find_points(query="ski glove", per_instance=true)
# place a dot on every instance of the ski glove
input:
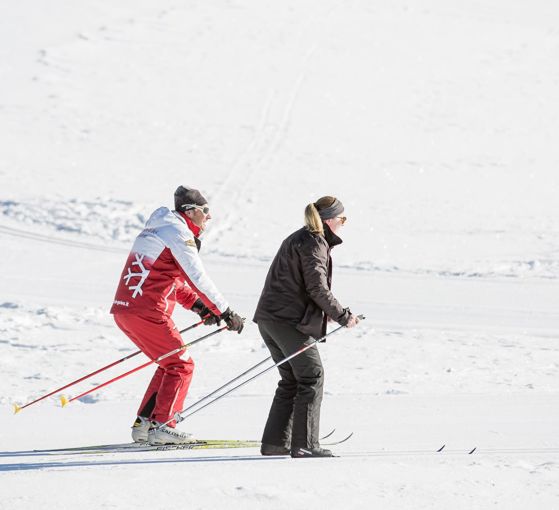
(205, 313)
(233, 320)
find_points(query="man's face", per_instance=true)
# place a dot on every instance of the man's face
(199, 217)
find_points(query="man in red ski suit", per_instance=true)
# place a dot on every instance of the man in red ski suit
(164, 267)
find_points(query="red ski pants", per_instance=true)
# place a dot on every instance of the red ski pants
(168, 387)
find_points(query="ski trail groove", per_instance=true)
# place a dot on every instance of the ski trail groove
(16, 232)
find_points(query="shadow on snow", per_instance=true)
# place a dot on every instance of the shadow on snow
(93, 463)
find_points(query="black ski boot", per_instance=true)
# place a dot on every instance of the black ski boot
(272, 449)
(303, 453)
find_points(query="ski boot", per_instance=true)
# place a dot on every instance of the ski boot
(163, 434)
(303, 453)
(272, 449)
(140, 430)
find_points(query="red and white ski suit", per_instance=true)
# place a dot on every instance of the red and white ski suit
(163, 267)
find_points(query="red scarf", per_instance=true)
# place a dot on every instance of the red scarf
(191, 225)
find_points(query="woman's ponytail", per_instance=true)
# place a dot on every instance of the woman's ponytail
(312, 220)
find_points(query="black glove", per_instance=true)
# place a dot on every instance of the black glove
(233, 320)
(205, 313)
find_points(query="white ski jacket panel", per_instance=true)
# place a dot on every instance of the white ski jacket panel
(164, 260)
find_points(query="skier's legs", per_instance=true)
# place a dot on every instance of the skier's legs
(168, 388)
(307, 371)
(148, 402)
(173, 389)
(277, 431)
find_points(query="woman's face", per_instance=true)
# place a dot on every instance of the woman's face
(336, 223)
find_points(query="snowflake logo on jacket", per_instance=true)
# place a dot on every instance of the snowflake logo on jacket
(143, 274)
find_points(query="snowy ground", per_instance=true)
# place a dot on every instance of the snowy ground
(435, 124)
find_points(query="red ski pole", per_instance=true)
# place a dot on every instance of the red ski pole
(18, 408)
(65, 401)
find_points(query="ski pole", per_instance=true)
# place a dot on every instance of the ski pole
(179, 416)
(65, 401)
(18, 408)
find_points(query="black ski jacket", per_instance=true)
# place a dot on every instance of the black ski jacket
(297, 288)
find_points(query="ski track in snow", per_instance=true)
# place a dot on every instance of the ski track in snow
(103, 219)
(269, 136)
(344, 457)
(257, 156)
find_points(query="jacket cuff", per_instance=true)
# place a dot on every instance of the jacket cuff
(198, 306)
(343, 319)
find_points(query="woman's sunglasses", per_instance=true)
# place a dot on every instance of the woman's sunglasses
(342, 218)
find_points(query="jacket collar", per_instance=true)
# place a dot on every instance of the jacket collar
(331, 238)
(195, 229)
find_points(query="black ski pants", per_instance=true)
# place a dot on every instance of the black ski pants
(294, 417)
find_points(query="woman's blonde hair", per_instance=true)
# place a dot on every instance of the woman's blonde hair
(312, 219)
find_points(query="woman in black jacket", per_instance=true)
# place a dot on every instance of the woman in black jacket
(294, 307)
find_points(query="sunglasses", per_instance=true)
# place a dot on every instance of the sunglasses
(205, 209)
(343, 219)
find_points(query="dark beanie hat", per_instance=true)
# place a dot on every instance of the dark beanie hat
(185, 196)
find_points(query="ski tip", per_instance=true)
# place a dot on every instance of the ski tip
(64, 400)
(17, 408)
(472, 451)
(441, 448)
(328, 435)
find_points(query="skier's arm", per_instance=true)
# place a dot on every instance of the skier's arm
(186, 255)
(315, 274)
(186, 296)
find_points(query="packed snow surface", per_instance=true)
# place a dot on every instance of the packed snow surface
(434, 122)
